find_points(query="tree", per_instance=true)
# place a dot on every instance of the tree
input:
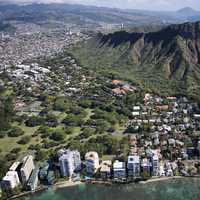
(40, 155)
(85, 103)
(15, 132)
(57, 136)
(102, 125)
(24, 140)
(61, 104)
(51, 120)
(86, 133)
(2, 134)
(3, 167)
(34, 121)
(16, 150)
(73, 120)
(6, 112)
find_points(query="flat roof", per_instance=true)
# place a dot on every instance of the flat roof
(14, 166)
(119, 165)
(10, 175)
(106, 166)
(25, 160)
(133, 159)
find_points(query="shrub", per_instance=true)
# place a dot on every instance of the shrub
(15, 132)
(24, 140)
(57, 136)
(16, 150)
(34, 121)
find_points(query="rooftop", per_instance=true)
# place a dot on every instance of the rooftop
(106, 166)
(133, 159)
(91, 155)
(118, 165)
(14, 166)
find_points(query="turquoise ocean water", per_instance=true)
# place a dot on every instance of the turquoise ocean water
(182, 189)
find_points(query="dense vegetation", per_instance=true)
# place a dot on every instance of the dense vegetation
(162, 61)
(96, 120)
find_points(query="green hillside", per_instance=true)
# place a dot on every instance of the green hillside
(166, 62)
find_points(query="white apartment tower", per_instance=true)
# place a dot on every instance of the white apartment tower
(27, 168)
(70, 162)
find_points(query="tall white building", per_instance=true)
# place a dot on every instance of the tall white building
(133, 165)
(11, 180)
(119, 169)
(26, 168)
(155, 165)
(70, 162)
(92, 162)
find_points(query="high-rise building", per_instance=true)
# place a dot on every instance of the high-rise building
(33, 180)
(70, 162)
(155, 164)
(26, 168)
(92, 162)
(10, 181)
(133, 166)
(146, 166)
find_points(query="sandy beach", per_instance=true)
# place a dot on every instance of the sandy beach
(64, 184)
(161, 179)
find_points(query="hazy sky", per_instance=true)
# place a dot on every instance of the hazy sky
(137, 4)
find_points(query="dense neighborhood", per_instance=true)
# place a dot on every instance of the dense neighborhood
(67, 119)
(163, 141)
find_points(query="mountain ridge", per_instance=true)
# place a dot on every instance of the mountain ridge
(171, 54)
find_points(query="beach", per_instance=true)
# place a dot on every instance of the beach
(161, 179)
(64, 184)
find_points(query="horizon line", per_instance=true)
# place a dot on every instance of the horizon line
(91, 5)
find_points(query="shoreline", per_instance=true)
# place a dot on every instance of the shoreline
(66, 184)
(152, 180)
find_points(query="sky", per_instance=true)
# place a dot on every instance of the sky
(133, 4)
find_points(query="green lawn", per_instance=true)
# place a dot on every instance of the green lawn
(9, 143)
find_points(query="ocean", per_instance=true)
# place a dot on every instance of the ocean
(180, 189)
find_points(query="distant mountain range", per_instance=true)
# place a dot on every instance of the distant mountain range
(167, 61)
(79, 14)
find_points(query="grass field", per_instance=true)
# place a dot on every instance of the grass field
(9, 143)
